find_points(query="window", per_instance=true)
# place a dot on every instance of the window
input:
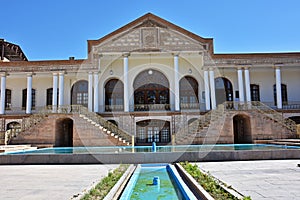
(114, 95)
(254, 89)
(24, 98)
(49, 97)
(283, 94)
(188, 87)
(149, 131)
(7, 99)
(80, 93)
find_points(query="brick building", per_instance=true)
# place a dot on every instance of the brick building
(155, 81)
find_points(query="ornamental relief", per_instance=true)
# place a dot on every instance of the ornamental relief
(149, 39)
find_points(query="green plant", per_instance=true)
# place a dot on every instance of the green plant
(106, 184)
(208, 183)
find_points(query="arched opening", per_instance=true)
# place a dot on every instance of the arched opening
(79, 93)
(224, 91)
(114, 95)
(151, 91)
(113, 122)
(242, 129)
(64, 133)
(188, 89)
(154, 130)
(16, 126)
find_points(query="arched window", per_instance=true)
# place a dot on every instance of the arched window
(151, 91)
(24, 98)
(254, 89)
(79, 93)
(188, 89)
(283, 94)
(49, 96)
(114, 95)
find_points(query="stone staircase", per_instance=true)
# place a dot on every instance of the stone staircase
(216, 126)
(89, 129)
(204, 130)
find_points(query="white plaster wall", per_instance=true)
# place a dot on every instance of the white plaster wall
(291, 77)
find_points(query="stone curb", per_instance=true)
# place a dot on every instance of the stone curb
(195, 187)
(116, 191)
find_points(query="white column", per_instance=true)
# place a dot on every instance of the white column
(126, 86)
(54, 91)
(206, 86)
(176, 83)
(212, 88)
(90, 92)
(278, 88)
(29, 94)
(96, 92)
(247, 85)
(241, 85)
(3, 91)
(61, 89)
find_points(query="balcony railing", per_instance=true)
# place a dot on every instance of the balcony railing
(152, 107)
(109, 108)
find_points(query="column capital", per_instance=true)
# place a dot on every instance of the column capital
(29, 74)
(62, 73)
(4, 74)
(175, 54)
(126, 54)
(278, 66)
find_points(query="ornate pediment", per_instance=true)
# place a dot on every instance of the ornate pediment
(149, 39)
(149, 33)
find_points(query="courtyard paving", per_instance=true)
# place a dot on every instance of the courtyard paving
(39, 182)
(267, 179)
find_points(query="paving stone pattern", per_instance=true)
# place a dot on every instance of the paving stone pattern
(271, 179)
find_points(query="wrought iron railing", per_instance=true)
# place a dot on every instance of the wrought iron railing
(152, 107)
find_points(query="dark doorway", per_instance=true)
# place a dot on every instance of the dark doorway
(242, 129)
(64, 133)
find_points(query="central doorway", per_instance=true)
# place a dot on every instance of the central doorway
(242, 129)
(64, 133)
(153, 130)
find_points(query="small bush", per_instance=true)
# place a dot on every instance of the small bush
(208, 183)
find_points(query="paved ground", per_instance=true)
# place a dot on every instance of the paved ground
(278, 179)
(48, 181)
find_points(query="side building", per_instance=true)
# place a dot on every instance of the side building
(149, 81)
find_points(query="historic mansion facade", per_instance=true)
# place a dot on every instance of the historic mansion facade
(157, 82)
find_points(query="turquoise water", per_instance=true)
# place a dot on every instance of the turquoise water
(129, 149)
(144, 188)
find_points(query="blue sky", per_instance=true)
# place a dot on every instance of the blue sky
(57, 29)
